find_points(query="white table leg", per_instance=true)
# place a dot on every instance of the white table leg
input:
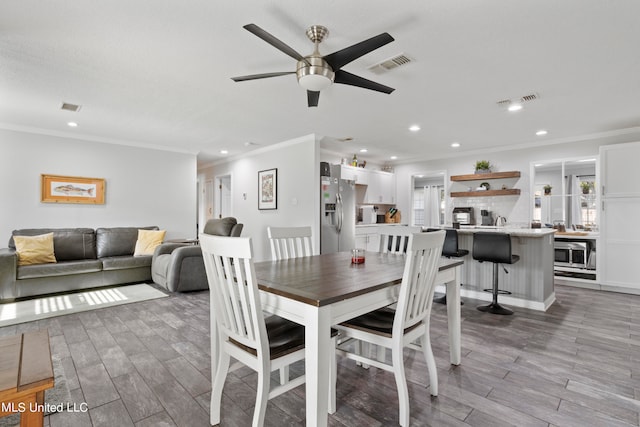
(317, 352)
(214, 410)
(453, 317)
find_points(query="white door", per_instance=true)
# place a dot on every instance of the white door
(619, 249)
(223, 196)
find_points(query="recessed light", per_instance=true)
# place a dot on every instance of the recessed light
(393, 157)
(455, 144)
(414, 128)
(363, 150)
(541, 132)
(72, 124)
(224, 152)
(515, 107)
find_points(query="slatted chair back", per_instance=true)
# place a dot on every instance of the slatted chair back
(418, 281)
(242, 331)
(407, 324)
(232, 282)
(396, 239)
(290, 242)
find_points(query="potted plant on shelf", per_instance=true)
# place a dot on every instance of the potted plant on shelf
(586, 186)
(547, 189)
(483, 166)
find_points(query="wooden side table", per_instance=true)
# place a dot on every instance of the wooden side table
(26, 372)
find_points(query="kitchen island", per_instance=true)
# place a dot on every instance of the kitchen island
(530, 280)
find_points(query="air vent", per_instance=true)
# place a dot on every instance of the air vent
(70, 107)
(391, 63)
(530, 97)
(503, 103)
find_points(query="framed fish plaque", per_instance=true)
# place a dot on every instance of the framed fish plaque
(72, 189)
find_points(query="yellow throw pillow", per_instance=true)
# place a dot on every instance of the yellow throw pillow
(35, 249)
(148, 240)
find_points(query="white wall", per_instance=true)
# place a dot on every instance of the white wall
(298, 164)
(143, 186)
(517, 209)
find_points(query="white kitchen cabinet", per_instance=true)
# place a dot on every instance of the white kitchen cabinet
(368, 238)
(381, 188)
(357, 175)
(620, 248)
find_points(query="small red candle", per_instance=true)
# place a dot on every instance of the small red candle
(357, 256)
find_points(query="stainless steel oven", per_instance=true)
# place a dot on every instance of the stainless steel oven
(571, 254)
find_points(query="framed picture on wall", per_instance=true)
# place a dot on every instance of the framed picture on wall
(72, 189)
(268, 189)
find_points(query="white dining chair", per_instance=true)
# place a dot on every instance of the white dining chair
(397, 329)
(264, 345)
(394, 239)
(286, 243)
(290, 242)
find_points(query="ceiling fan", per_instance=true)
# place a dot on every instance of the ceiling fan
(316, 72)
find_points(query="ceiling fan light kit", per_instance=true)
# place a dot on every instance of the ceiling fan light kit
(316, 72)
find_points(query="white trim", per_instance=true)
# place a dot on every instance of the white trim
(260, 150)
(533, 144)
(506, 299)
(93, 138)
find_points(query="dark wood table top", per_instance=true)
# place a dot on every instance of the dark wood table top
(324, 279)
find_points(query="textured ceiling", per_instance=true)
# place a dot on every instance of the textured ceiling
(158, 73)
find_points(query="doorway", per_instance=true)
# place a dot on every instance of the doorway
(428, 199)
(223, 207)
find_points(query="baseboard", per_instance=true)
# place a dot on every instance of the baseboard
(599, 287)
(505, 299)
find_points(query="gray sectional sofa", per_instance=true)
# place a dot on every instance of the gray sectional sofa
(86, 258)
(180, 268)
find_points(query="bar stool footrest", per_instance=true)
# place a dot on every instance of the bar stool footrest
(500, 291)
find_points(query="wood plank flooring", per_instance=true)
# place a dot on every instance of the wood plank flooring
(147, 364)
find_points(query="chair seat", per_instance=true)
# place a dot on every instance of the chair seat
(284, 335)
(379, 322)
(456, 254)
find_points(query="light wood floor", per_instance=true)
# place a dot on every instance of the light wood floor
(147, 364)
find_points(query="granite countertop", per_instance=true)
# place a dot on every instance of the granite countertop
(514, 231)
(378, 224)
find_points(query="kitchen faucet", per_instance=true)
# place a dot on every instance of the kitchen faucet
(501, 221)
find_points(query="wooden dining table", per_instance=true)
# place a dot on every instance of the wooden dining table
(323, 290)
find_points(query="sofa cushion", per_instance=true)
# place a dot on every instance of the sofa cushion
(68, 243)
(59, 269)
(220, 226)
(34, 249)
(117, 241)
(124, 262)
(148, 241)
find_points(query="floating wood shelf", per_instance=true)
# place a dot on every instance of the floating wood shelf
(487, 193)
(484, 176)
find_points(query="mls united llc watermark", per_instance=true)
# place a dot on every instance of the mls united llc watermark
(47, 408)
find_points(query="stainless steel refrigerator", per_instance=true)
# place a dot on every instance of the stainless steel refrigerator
(337, 211)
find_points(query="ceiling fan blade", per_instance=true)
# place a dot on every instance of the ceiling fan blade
(260, 76)
(346, 78)
(273, 41)
(312, 98)
(342, 57)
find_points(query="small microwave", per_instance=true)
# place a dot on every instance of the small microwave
(570, 254)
